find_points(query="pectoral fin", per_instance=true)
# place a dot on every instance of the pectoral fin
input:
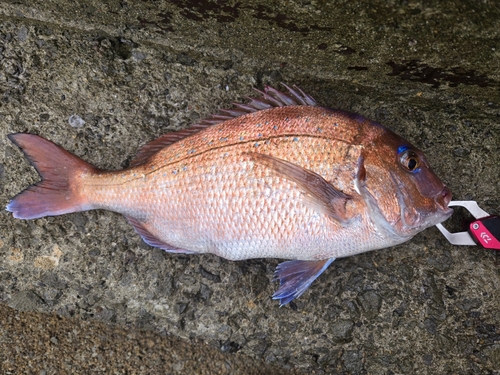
(296, 276)
(321, 195)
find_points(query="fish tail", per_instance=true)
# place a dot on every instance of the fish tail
(58, 191)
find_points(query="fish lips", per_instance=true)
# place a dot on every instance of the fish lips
(442, 201)
(439, 213)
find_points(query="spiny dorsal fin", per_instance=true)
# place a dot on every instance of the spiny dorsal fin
(269, 98)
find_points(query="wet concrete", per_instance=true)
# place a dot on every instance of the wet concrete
(101, 79)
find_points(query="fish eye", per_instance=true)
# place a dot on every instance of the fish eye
(409, 160)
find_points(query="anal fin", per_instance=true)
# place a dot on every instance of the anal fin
(296, 276)
(152, 240)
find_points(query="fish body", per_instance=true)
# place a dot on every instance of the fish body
(279, 177)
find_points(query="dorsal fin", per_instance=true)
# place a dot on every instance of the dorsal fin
(269, 98)
(151, 148)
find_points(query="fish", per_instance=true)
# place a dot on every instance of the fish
(276, 177)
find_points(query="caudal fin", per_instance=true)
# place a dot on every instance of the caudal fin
(57, 193)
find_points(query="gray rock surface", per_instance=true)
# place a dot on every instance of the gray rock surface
(35, 343)
(103, 78)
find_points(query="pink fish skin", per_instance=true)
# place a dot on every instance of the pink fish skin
(279, 177)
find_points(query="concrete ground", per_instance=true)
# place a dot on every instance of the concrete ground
(102, 78)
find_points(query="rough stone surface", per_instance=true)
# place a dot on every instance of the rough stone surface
(34, 343)
(133, 70)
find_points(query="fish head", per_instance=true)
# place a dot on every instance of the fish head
(404, 194)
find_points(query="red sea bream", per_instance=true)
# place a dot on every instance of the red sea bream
(279, 177)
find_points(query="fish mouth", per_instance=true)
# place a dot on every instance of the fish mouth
(425, 219)
(442, 201)
(416, 220)
(413, 216)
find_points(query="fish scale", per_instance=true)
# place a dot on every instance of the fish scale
(279, 177)
(302, 234)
